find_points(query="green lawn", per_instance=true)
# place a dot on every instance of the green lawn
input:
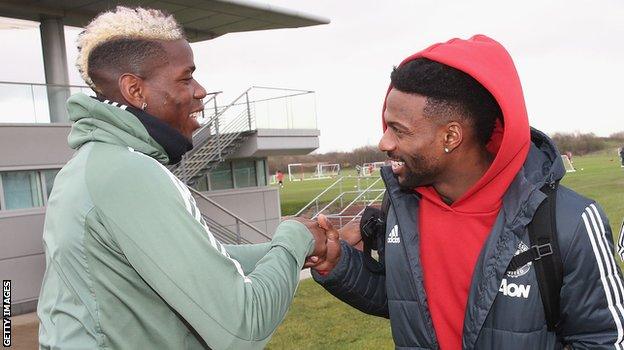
(601, 179)
(317, 320)
(296, 194)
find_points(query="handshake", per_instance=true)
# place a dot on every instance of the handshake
(327, 248)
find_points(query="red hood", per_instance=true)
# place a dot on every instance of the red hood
(488, 62)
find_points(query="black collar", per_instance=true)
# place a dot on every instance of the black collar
(174, 143)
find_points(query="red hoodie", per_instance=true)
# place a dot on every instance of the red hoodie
(451, 237)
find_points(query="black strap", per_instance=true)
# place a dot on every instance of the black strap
(534, 253)
(373, 229)
(544, 253)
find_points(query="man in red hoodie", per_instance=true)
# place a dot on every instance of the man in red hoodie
(464, 186)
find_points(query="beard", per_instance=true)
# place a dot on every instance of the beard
(418, 171)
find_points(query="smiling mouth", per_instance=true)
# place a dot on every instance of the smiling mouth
(397, 165)
(197, 114)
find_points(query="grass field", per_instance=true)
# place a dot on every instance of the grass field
(296, 194)
(317, 320)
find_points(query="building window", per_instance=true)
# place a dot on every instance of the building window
(48, 179)
(244, 173)
(21, 189)
(221, 177)
(201, 184)
(261, 170)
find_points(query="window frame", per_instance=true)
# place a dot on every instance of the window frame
(42, 187)
(255, 168)
(231, 163)
(2, 201)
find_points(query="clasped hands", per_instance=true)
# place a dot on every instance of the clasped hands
(327, 248)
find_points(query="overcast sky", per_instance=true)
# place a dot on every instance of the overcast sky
(569, 55)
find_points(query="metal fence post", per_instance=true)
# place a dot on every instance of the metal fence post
(238, 233)
(216, 109)
(248, 110)
(316, 205)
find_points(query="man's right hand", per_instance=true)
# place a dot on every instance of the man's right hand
(320, 238)
(333, 248)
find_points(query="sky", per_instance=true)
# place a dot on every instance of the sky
(568, 54)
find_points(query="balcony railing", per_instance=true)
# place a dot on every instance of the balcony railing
(29, 102)
(272, 108)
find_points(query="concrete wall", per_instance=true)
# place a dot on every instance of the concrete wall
(27, 147)
(34, 146)
(271, 142)
(21, 256)
(259, 206)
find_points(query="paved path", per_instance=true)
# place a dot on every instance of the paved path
(24, 330)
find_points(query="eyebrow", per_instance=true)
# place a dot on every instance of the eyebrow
(185, 71)
(189, 69)
(397, 125)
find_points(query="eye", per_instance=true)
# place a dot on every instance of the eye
(396, 131)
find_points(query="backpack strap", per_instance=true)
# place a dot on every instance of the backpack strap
(545, 255)
(373, 230)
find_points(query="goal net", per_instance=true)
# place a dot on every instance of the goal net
(327, 170)
(369, 168)
(312, 171)
(567, 164)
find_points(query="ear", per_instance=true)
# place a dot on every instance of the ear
(453, 136)
(132, 89)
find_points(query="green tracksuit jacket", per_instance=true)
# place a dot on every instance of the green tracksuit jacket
(131, 265)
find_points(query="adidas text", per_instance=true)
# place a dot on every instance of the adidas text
(393, 237)
(514, 290)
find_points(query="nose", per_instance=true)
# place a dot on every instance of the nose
(387, 142)
(199, 92)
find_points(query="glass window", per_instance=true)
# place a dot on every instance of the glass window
(221, 177)
(261, 172)
(22, 189)
(48, 178)
(245, 173)
(201, 184)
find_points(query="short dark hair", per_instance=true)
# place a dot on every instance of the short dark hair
(125, 55)
(449, 92)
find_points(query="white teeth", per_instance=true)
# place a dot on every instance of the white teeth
(396, 163)
(197, 114)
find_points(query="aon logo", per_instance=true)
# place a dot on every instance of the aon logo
(514, 290)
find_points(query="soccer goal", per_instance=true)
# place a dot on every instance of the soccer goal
(369, 168)
(312, 171)
(302, 171)
(567, 164)
(324, 171)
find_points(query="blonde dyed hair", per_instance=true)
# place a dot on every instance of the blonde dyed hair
(124, 23)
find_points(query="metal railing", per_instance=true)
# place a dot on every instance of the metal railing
(363, 194)
(30, 102)
(22, 102)
(230, 125)
(336, 209)
(344, 215)
(315, 201)
(225, 234)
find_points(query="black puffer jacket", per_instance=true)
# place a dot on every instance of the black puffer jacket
(504, 311)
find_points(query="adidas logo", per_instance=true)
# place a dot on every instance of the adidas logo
(393, 237)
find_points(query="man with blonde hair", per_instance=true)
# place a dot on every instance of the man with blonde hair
(130, 263)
